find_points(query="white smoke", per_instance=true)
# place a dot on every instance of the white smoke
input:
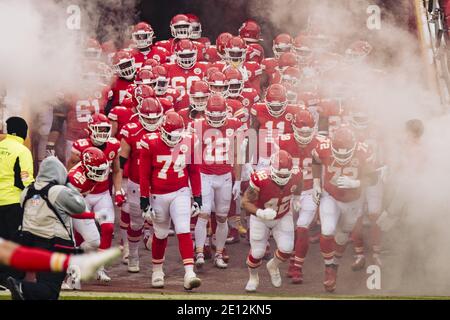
(400, 92)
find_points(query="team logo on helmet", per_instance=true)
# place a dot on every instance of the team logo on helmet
(197, 71)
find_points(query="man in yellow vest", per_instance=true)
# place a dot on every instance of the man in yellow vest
(16, 173)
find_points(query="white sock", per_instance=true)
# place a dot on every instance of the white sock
(200, 232)
(158, 267)
(276, 262)
(124, 235)
(134, 249)
(221, 235)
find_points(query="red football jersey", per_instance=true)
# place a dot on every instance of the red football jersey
(119, 89)
(182, 79)
(335, 112)
(111, 150)
(164, 169)
(360, 164)
(158, 53)
(302, 156)
(218, 145)
(269, 66)
(189, 116)
(122, 116)
(132, 133)
(77, 177)
(79, 110)
(271, 195)
(255, 53)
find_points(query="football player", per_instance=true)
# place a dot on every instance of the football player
(348, 167)
(125, 69)
(167, 168)
(217, 52)
(198, 99)
(90, 177)
(250, 31)
(143, 36)
(268, 200)
(150, 115)
(163, 89)
(220, 136)
(185, 70)
(196, 30)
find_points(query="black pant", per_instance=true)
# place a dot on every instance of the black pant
(10, 220)
(48, 284)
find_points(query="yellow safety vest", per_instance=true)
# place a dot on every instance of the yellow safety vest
(16, 169)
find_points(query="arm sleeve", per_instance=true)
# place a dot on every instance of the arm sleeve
(194, 178)
(108, 107)
(145, 171)
(70, 201)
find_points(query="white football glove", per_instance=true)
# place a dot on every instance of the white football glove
(385, 222)
(344, 182)
(236, 190)
(266, 214)
(195, 209)
(317, 191)
(296, 204)
(149, 215)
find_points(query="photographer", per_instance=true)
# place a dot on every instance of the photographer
(48, 206)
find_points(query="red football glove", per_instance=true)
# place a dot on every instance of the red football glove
(119, 198)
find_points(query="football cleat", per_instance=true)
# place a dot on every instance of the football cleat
(158, 279)
(191, 281)
(274, 271)
(15, 287)
(133, 264)
(102, 276)
(330, 278)
(233, 236)
(253, 281)
(84, 267)
(219, 262)
(199, 260)
(359, 263)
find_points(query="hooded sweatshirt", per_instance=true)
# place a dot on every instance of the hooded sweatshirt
(38, 218)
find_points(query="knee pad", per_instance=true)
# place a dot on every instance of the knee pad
(221, 218)
(258, 253)
(161, 232)
(136, 223)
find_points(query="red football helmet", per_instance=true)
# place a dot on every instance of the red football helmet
(150, 113)
(123, 64)
(303, 126)
(235, 50)
(186, 53)
(216, 111)
(291, 75)
(143, 35)
(358, 51)
(198, 95)
(149, 64)
(276, 99)
(180, 27)
(302, 50)
(250, 31)
(235, 82)
(281, 166)
(218, 83)
(93, 49)
(160, 80)
(99, 128)
(144, 76)
(343, 144)
(196, 26)
(142, 92)
(281, 43)
(95, 163)
(221, 43)
(287, 59)
(172, 129)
